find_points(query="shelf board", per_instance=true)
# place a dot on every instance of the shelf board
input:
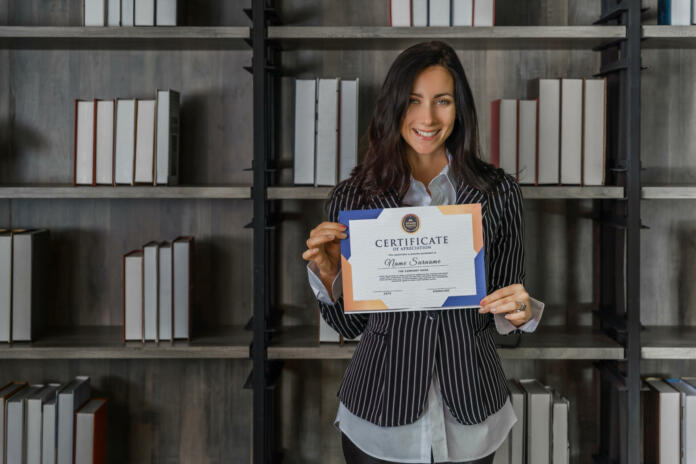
(104, 342)
(668, 342)
(499, 37)
(669, 192)
(528, 192)
(125, 191)
(669, 36)
(124, 37)
(301, 342)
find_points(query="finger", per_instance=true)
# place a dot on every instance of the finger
(314, 242)
(502, 292)
(509, 303)
(336, 233)
(327, 227)
(310, 254)
(505, 307)
(519, 318)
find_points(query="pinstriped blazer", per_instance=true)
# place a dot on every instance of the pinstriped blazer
(388, 377)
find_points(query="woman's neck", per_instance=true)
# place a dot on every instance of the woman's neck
(424, 167)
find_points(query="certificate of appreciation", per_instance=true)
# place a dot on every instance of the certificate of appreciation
(413, 258)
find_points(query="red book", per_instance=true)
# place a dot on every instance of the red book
(90, 432)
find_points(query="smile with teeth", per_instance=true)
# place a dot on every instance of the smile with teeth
(426, 134)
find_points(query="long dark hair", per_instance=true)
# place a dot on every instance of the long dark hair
(385, 167)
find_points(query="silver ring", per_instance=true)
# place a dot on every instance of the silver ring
(521, 308)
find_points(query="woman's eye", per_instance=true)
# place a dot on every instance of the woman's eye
(443, 102)
(413, 100)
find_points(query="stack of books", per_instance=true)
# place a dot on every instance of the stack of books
(157, 287)
(326, 131)
(676, 12)
(127, 141)
(116, 13)
(52, 423)
(408, 13)
(558, 137)
(23, 265)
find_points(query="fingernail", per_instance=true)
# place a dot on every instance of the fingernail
(480, 310)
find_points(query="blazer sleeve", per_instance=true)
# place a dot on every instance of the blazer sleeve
(344, 197)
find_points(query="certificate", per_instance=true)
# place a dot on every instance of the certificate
(413, 258)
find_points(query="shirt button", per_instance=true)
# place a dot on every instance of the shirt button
(433, 315)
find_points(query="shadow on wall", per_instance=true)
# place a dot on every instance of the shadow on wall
(31, 143)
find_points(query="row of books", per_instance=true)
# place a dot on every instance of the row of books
(558, 137)
(23, 254)
(325, 147)
(52, 423)
(407, 13)
(127, 141)
(116, 13)
(676, 12)
(669, 420)
(157, 283)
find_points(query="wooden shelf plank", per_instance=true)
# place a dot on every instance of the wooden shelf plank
(104, 342)
(126, 191)
(528, 192)
(668, 342)
(510, 37)
(669, 192)
(669, 36)
(301, 342)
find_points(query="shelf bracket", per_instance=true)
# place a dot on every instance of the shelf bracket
(617, 66)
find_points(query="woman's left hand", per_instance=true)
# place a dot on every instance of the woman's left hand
(508, 300)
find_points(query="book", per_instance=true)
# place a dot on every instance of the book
(548, 91)
(527, 142)
(348, 131)
(687, 394)
(660, 422)
(166, 13)
(113, 16)
(166, 291)
(674, 12)
(144, 13)
(326, 160)
(5, 285)
(127, 12)
(150, 291)
(504, 135)
(400, 13)
(419, 12)
(104, 156)
(305, 131)
(484, 13)
(462, 12)
(145, 141)
(124, 155)
(517, 438)
(693, 11)
(35, 403)
(70, 399)
(90, 432)
(133, 296)
(94, 12)
(182, 249)
(538, 420)
(6, 392)
(16, 434)
(167, 137)
(594, 132)
(439, 14)
(49, 432)
(84, 146)
(29, 266)
(560, 452)
(571, 131)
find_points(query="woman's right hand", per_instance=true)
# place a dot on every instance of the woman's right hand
(324, 250)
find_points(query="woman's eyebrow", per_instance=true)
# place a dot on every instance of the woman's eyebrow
(446, 94)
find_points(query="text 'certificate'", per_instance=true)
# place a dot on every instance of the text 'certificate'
(413, 258)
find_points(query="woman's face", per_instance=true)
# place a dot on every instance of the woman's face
(429, 118)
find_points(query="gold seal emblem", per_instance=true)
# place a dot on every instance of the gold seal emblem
(410, 223)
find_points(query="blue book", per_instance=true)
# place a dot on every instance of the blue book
(674, 12)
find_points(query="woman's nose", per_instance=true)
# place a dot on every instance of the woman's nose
(427, 116)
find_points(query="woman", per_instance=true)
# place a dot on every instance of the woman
(424, 150)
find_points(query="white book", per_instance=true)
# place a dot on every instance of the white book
(90, 432)
(439, 13)
(527, 139)
(167, 137)
(183, 251)
(94, 12)
(144, 13)
(518, 432)
(504, 135)
(687, 394)
(84, 142)
(133, 295)
(305, 131)
(662, 422)
(327, 133)
(166, 13)
(166, 291)
(6, 392)
(419, 12)
(538, 422)
(560, 452)
(326, 332)
(693, 11)
(49, 433)
(114, 13)
(105, 142)
(35, 403)
(462, 12)
(70, 399)
(400, 13)
(28, 268)
(348, 132)
(548, 92)
(571, 131)
(594, 132)
(16, 438)
(125, 141)
(5, 284)
(484, 13)
(680, 12)
(150, 290)
(127, 12)
(145, 142)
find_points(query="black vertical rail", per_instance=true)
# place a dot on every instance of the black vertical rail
(258, 36)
